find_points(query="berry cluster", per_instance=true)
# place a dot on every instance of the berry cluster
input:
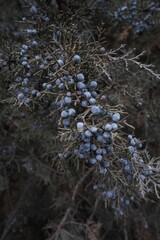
(137, 16)
(128, 166)
(54, 79)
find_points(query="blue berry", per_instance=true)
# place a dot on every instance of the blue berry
(93, 147)
(103, 170)
(38, 58)
(133, 142)
(34, 43)
(70, 80)
(94, 129)
(94, 94)
(114, 126)
(66, 155)
(72, 112)
(84, 104)
(106, 164)
(76, 151)
(126, 202)
(44, 85)
(25, 82)
(87, 147)
(92, 85)
(28, 66)
(131, 149)
(25, 58)
(67, 100)
(58, 35)
(80, 77)
(58, 81)
(18, 79)
(38, 94)
(61, 86)
(116, 117)
(118, 212)
(80, 85)
(31, 31)
(84, 90)
(69, 94)
(99, 151)
(33, 10)
(24, 63)
(27, 100)
(102, 50)
(98, 157)
(100, 139)
(66, 122)
(123, 161)
(60, 62)
(92, 101)
(64, 114)
(81, 156)
(87, 133)
(109, 194)
(33, 92)
(108, 127)
(80, 125)
(20, 96)
(49, 87)
(104, 151)
(87, 94)
(46, 62)
(130, 137)
(127, 168)
(95, 110)
(93, 160)
(46, 19)
(25, 90)
(28, 74)
(106, 135)
(25, 47)
(41, 66)
(77, 59)
(147, 172)
(95, 187)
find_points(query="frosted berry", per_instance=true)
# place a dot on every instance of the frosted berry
(77, 59)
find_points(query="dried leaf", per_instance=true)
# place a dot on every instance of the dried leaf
(124, 34)
(93, 230)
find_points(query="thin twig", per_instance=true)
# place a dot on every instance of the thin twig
(79, 183)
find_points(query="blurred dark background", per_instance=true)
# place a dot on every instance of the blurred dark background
(34, 197)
